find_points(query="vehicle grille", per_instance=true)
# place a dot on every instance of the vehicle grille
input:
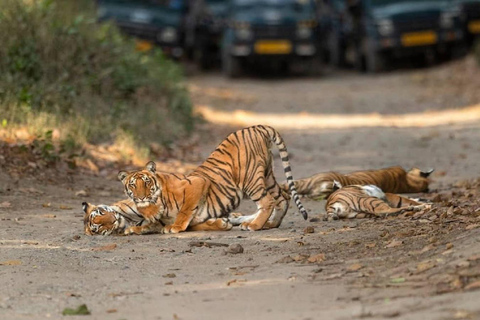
(275, 32)
(139, 30)
(417, 25)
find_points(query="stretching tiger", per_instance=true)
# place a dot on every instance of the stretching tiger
(393, 180)
(241, 166)
(349, 201)
(115, 218)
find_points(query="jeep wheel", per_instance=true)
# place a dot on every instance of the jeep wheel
(335, 53)
(374, 60)
(231, 66)
(201, 58)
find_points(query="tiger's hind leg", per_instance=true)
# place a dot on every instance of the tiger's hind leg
(282, 200)
(214, 224)
(265, 204)
(237, 218)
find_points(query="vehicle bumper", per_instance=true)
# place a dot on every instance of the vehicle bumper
(274, 49)
(400, 44)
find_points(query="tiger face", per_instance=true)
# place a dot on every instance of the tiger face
(419, 179)
(101, 219)
(141, 186)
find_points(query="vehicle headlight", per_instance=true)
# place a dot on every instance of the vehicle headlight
(447, 19)
(168, 34)
(244, 33)
(304, 32)
(385, 27)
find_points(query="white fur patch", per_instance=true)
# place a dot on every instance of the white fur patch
(373, 191)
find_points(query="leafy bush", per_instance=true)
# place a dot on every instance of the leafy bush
(60, 69)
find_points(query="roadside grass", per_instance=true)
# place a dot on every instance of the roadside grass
(65, 77)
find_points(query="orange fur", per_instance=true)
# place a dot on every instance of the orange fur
(349, 201)
(241, 166)
(392, 180)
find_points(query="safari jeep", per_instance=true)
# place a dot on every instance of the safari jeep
(152, 22)
(204, 27)
(383, 29)
(332, 25)
(269, 31)
(470, 10)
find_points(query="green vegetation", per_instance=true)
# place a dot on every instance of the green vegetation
(60, 70)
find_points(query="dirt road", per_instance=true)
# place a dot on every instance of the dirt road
(420, 267)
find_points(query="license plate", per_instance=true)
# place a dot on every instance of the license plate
(273, 47)
(419, 38)
(142, 46)
(474, 26)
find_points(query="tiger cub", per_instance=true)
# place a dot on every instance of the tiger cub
(241, 166)
(349, 201)
(115, 218)
(393, 180)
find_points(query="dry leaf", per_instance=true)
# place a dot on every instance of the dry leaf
(428, 247)
(354, 267)
(316, 258)
(472, 226)
(81, 193)
(286, 259)
(473, 285)
(5, 204)
(11, 263)
(424, 266)
(394, 243)
(300, 257)
(474, 257)
(108, 247)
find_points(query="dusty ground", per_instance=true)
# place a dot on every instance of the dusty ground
(419, 267)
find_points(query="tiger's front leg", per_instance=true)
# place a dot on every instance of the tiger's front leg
(194, 193)
(154, 227)
(181, 222)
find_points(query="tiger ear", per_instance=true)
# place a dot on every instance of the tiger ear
(85, 206)
(425, 174)
(336, 185)
(122, 175)
(151, 166)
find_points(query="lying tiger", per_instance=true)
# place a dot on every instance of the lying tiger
(115, 218)
(392, 180)
(348, 202)
(241, 166)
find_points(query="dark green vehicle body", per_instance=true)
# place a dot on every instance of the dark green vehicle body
(160, 22)
(333, 30)
(205, 22)
(470, 13)
(267, 31)
(383, 29)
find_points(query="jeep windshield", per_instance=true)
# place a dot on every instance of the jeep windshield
(170, 4)
(381, 3)
(297, 5)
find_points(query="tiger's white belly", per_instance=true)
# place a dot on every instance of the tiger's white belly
(373, 191)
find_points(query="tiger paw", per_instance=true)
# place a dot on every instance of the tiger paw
(247, 226)
(171, 229)
(225, 224)
(131, 230)
(331, 217)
